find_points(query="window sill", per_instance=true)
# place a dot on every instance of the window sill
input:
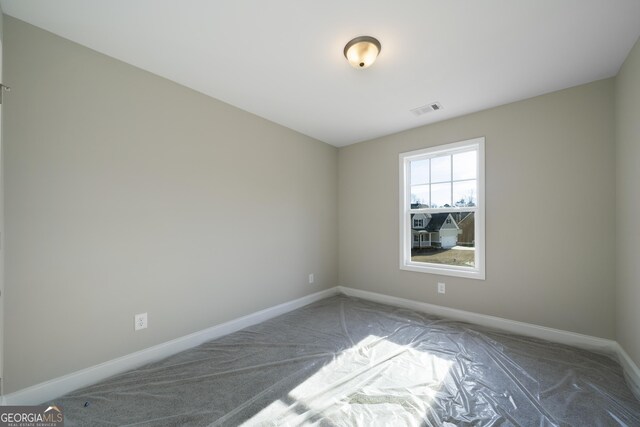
(469, 273)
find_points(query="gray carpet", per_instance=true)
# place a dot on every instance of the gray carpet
(345, 362)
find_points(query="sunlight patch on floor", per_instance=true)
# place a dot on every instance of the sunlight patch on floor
(376, 382)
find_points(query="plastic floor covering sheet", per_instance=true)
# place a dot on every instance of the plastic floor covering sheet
(348, 362)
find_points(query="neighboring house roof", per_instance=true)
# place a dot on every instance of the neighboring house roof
(434, 222)
(437, 219)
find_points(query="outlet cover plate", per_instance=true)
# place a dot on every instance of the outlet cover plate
(140, 321)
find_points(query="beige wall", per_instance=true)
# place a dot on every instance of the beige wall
(127, 193)
(2, 245)
(549, 192)
(627, 127)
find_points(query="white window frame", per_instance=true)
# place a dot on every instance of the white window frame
(476, 272)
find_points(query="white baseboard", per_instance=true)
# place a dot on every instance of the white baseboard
(528, 329)
(632, 373)
(57, 387)
(631, 370)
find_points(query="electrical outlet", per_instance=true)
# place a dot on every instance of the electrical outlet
(311, 279)
(140, 321)
(441, 288)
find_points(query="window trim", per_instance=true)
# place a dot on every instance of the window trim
(478, 272)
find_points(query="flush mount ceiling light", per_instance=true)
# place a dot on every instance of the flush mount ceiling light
(362, 51)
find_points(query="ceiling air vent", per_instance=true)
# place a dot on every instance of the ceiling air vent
(432, 106)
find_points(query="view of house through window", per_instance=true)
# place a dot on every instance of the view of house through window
(441, 207)
(444, 238)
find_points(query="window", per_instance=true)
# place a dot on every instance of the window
(444, 187)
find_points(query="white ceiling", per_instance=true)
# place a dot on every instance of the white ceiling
(282, 59)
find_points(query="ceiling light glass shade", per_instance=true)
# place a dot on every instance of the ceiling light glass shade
(362, 51)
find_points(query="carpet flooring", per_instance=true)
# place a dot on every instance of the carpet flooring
(348, 362)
